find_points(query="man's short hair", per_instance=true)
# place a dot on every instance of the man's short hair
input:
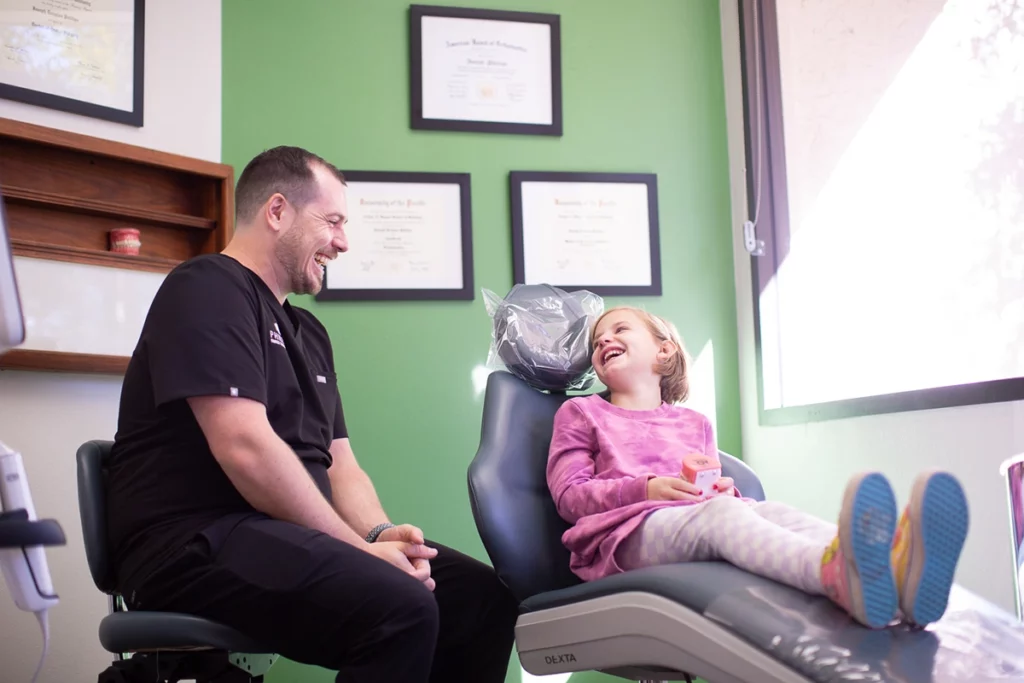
(284, 169)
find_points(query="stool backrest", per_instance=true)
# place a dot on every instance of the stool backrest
(92, 506)
(514, 512)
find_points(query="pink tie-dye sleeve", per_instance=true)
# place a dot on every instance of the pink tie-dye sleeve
(710, 445)
(570, 471)
(711, 448)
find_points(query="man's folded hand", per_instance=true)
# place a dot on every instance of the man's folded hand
(402, 532)
(412, 558)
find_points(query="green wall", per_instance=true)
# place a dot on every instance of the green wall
(643, 92)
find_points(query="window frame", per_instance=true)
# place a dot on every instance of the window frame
(760, 68)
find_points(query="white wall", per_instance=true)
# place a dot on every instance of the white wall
(808, 465)
(46, 416)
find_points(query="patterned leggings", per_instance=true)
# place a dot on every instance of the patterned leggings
(769, 538)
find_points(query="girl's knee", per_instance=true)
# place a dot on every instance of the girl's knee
(775, 507)
(725, 505)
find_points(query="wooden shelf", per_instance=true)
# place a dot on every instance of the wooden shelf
(87, 144)
(21, 195)
(64, 193)
(58, 361)
(59, 252)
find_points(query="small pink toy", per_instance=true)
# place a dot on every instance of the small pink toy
(701, 471)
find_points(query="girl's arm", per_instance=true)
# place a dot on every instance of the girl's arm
(710, 444)
(711, 450)
(570, 471)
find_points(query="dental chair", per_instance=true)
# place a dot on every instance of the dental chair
(700, 619)
(152, 647)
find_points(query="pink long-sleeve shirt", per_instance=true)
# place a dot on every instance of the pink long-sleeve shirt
(599, 462)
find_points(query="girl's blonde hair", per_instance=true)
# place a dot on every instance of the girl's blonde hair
(675, 380)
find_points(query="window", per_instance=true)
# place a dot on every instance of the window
(885, 176)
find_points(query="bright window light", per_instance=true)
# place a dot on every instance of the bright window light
(904, 144)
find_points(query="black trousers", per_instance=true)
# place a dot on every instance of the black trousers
(317, 600)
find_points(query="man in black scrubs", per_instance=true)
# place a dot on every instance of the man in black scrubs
(233, 491)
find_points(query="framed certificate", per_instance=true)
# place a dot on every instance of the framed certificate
(80, 57)
(594, 231)
(485, 71)
(410, 238)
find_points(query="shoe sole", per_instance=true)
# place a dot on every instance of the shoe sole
(867, 523)
(939, 521)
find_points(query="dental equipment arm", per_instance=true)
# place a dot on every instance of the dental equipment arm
(22, 558)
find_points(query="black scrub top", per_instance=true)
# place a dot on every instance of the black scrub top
(214, 328)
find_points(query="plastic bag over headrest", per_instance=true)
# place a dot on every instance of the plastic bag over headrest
(541, 334)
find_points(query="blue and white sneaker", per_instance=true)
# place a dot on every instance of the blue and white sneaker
(927, 547)
(856, 570)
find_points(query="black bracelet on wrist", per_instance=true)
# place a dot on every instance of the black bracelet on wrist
(377, 531)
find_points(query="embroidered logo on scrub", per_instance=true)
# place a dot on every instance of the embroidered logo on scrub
(275, 336)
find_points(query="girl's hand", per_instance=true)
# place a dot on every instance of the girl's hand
(724, 487)
(673, 488)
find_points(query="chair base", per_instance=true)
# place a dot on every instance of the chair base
(642, 636)
(214, 666)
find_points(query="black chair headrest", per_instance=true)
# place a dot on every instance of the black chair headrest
(541, 334)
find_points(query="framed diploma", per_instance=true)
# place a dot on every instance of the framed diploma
(594, 231)
(485, 71)
(80, 57)
(409, 236)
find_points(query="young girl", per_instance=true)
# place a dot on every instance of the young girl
(614, 472)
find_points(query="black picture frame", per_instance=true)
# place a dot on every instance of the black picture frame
(519, 256)
(134, 117)
(421, 122)
(465, 230)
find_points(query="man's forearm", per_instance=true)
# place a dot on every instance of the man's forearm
(267, 473)
(355, 498)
